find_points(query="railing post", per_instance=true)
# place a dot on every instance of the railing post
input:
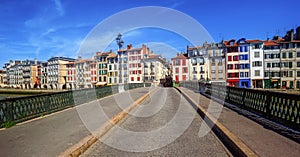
(10, 107)
(268, 104)
(244, 97)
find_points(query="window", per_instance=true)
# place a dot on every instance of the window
(290, 64)
(298, 64)
(298, 73)
(242, 74)
(241, 49)
(229, 66)
(241, 57)
(290, 74)
(291, 55)
(283, 55)
(229, 58)
(256, 64)
(257, 72)
(176, 70)
(235, 58)
(246, 48)
(256, 55)
(298, 53)
(176, 78)
(183, 77)
(138, 78)
(132, 78)
(256, 46)
(185, 70)
(236, 66)
(268, 65)
(220, 62)
(291, 84)
(246, 74)
(184, 62)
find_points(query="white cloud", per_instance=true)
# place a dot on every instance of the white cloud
(59, 7)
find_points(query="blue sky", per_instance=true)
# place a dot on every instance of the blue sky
(40, 29)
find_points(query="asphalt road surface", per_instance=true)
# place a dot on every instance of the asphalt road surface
(163, 125)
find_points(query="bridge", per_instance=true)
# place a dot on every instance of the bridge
(141, 120)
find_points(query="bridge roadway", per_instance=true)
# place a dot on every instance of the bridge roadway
(157, 112)
(53, 134)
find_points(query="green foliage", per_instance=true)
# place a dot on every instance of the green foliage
(8, 124)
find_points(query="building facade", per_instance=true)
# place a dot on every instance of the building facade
(271, 64)
(290, 60)
(216, 63)
(180, 67)
(256, 63)
(101, 58)
(57, 72)
(155, 68)
(113, 69)
(198, 63)
(135, 65)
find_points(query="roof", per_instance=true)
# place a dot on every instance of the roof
(270, 43)
(83, 61)
(254, 41)
(154, 56)
(227, 43)
(62, 58)
(293, 41)
(102, 53)
(112, 55)
(180, 56)
(195, 47)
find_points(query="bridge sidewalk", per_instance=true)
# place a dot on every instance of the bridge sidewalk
(53, 134)
(260, 139)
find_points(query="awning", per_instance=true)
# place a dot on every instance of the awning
(101, 83)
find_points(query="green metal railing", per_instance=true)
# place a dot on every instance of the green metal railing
(25, 108)
(279, 107)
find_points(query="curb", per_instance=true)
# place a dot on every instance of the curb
(234, 144)
(88, 141)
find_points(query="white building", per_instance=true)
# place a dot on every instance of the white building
(256, 63)
(155, 68)
(197, 63)
(84, 73)
(113, 69)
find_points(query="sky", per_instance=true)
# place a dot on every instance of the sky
(41, 29)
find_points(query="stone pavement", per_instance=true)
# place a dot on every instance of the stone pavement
(260, 139)
(53, 134)
(153, 116)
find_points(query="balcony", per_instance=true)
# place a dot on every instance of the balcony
(201, 72)
(152, 73)
(194, 72)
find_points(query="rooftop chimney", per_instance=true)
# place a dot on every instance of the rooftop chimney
(298, 33)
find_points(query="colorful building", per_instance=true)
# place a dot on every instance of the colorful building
(180, 67)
